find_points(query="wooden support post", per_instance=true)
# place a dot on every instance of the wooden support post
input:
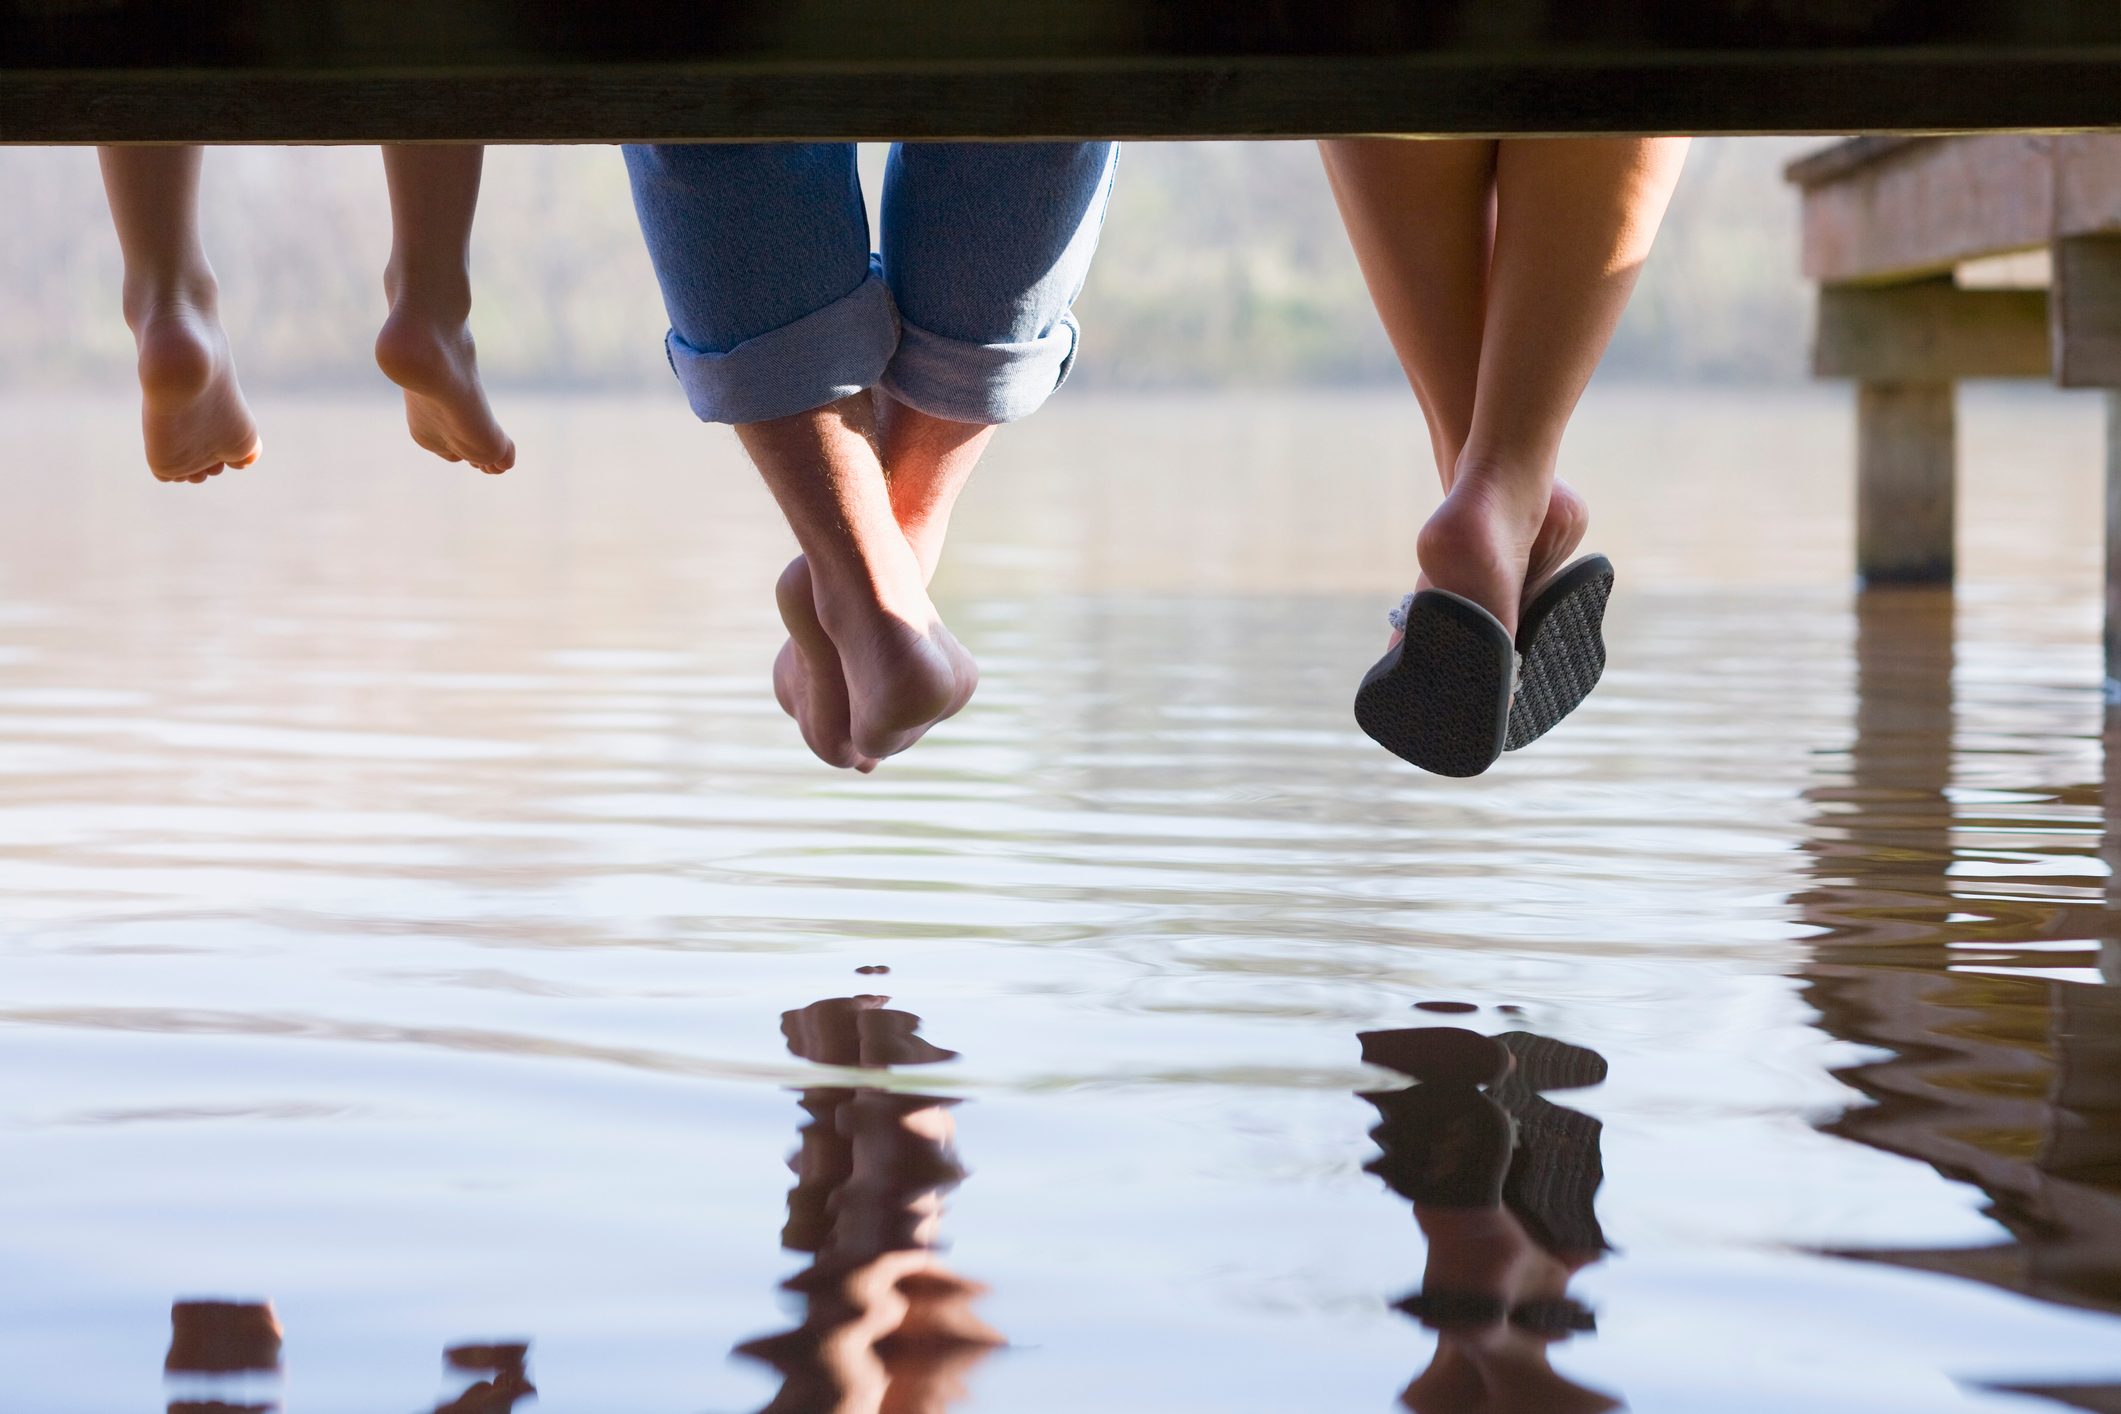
(2084, 312)
(2113, 558)
(1906, 463)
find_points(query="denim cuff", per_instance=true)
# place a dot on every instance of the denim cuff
(983, 383)
(822, 357)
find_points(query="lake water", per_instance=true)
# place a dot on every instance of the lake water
(418, 916)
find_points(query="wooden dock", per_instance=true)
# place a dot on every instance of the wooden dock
(633, 70)
(1945, 258)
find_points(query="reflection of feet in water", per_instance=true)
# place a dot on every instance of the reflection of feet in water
(886, 1325)
(215, 1341)
(1502, 1182)
(218, 1350)
(507, 1381)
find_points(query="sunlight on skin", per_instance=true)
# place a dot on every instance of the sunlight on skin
(194, 421)
(1500, 270)
(869, 667)
(425, 346)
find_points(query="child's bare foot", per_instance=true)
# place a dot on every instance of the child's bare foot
(432, 358)
(901, 669)
(192, 415)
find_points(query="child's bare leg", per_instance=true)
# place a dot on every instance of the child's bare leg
(1421, 217)
(425, 346)
(866, 638)
(1575, 219)
(192, 415)
(927, 461)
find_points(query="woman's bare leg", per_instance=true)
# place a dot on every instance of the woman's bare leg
(425, 346)
(1420, 215)
(1574, 222)
(193, 419)
(1500, 270)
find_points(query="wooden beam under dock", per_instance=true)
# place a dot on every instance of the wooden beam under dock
(84, 71)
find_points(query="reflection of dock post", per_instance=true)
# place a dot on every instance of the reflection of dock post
(2110, 812)
(2110, 792)
(2007, 1081)
(2113, 582)
(1878, 876)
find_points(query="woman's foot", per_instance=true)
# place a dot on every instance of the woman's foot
(1489, 540)
(193, 419)
(1568, 519)
(1560, 534)
(432, 358)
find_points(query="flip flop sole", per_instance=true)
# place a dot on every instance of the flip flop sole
(1441, 697)
(1563, 638)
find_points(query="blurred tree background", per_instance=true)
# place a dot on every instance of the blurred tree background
(1223, 265)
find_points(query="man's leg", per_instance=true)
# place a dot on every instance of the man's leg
(780, 325)
(985, 248)
(868, 647)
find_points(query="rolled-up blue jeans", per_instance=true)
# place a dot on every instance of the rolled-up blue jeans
(777, 305)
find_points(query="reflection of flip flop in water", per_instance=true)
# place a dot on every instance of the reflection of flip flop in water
(885, 1323)
(1502, 1182)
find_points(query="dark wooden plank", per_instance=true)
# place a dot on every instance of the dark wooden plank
(601, 70)
(1143, 100)
(511, 34)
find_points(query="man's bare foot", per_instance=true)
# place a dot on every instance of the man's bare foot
(808, 680)
(192, 415)
(433, 360)
(902, 671)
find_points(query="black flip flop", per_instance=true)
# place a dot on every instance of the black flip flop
(1562, 640)
(1440, 697)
